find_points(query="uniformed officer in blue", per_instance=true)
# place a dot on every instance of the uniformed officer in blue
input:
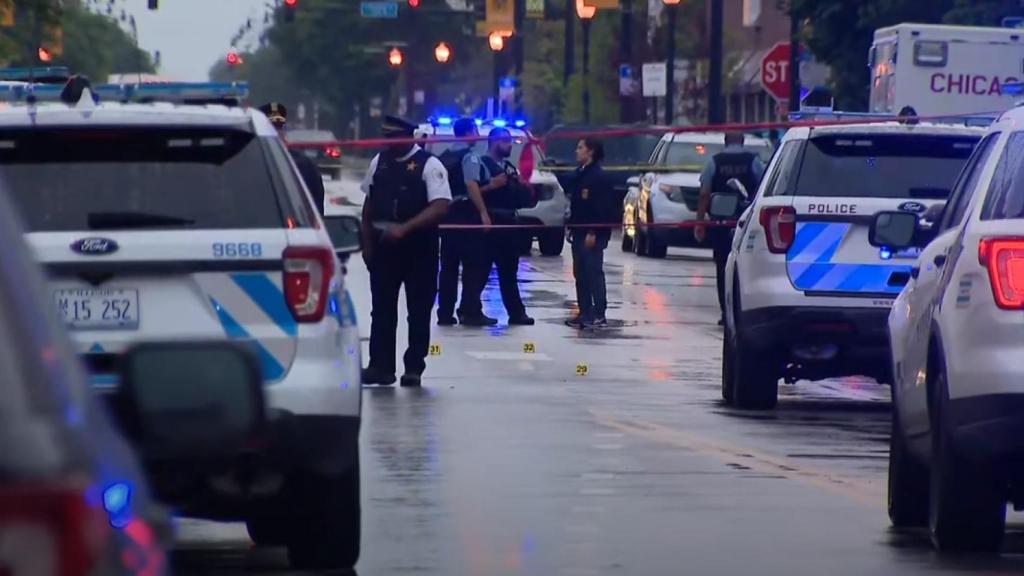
(277, 113)
(734, 161)
(407, 196)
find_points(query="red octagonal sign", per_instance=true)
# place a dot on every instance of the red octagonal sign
(775, 71)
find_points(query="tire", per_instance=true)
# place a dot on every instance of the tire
(267, 531)
(728, 361)
(754, 382)
(655, 248)
(967, 508)
(326, 530)
(908, 481)
(640, 242)
(552, 242)
(627, 240)
(526, 244)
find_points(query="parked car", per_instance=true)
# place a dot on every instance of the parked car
(327, 155)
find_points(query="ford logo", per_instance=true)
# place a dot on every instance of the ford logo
(915, 207)
(94, 246)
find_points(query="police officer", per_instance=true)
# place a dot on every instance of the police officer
(464, 247)
(407, 197)
(734, 161)
(503, 195)
(277, 113)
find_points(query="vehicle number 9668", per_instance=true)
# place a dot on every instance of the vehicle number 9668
(237, 250)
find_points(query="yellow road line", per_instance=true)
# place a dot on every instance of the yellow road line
(862, 491)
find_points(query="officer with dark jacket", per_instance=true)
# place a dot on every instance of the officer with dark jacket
(466, 247)
(278, 115)
(734, 161)
(503, 195)
(407, 196)
(591, 211)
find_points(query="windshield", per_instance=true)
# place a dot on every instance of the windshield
(310, 136)
(883, 166)
(81, 179)
(692, 156)
(480, 147)
(628, 150)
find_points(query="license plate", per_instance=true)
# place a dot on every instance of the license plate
(99, 308)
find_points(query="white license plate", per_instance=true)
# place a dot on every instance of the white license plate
(99, 308)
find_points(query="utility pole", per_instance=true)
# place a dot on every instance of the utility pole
(520, 52)
(715, 55)
(570, 42)
(670, 65)
(794, 58)
(626, 56)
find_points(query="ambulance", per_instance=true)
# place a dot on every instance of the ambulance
(945, 70)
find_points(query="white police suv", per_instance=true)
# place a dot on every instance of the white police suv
(163, 221)
(957, 331)
(807, 296)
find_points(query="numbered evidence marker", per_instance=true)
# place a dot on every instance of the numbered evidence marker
(529, 348)
(435, 349)
(582, 369)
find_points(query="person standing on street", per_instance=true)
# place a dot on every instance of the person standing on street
(734, 161)
(591, 211)
(465, 248)
(407, 198)
(503, 195)
(278, 115)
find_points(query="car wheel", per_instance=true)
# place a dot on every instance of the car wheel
(655, 248)
(526, 244)
(267, 531)
(908, 481)
(967, 511)
(728, 361)
(326, 529)
(551, 242)
(640, 241)
(627, 240)
(754, 381)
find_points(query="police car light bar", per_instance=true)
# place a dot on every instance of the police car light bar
(174, 92)
(979, 120)
(50, 73)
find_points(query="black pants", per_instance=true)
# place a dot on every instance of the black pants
(504, 254)
(721, 245)
(588, 268)
(413, 263)
(465, 249)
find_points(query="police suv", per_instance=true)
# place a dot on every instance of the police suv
(957, 334)
(550, 204)
(163, 221)
(807, 296)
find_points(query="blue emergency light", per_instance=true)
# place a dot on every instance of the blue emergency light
(499, 123)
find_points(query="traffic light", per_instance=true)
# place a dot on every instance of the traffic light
(289, 10)
(233, 59)
(395, 58)
(414, 3)
(442, 53)
(44, 55)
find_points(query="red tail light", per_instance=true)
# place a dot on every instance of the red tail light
(333, 152)
(307, 278)
(527, 162)
(779, 223)
(41, 525)
(1004, 259)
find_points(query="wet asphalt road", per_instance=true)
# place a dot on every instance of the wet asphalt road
(512, 462)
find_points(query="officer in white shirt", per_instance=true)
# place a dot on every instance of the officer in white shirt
(407, 196)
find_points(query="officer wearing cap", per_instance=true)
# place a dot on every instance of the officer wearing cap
(407, 197)
(277, 113)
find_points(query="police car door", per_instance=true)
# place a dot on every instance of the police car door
(845, 178)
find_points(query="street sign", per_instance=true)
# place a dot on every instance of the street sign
(654, 79)
(775, 72)
(378, 9)
(627, 84)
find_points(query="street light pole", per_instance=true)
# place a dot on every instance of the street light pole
(794, 59)
(586, 70)
(626, 50)
(570, 42)
(670, 65)
(715, 115)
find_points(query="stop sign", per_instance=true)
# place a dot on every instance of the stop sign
(775, 71)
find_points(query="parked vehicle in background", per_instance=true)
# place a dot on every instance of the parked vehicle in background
(941, 70)
(668, 192)
(327, 156)
(625, 154)
(550, 205)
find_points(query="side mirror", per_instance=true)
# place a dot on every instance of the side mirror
(345, 234)
(724, 206)
(896, 230)
(191, 399)
(738, 187)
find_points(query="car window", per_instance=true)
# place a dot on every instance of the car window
(883, 165)
(79, 179)
(692, 156)
(965, 188)
(780, 181)
(1006, 192)
(290, 182)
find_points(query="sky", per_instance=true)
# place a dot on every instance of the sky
(192, 34)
